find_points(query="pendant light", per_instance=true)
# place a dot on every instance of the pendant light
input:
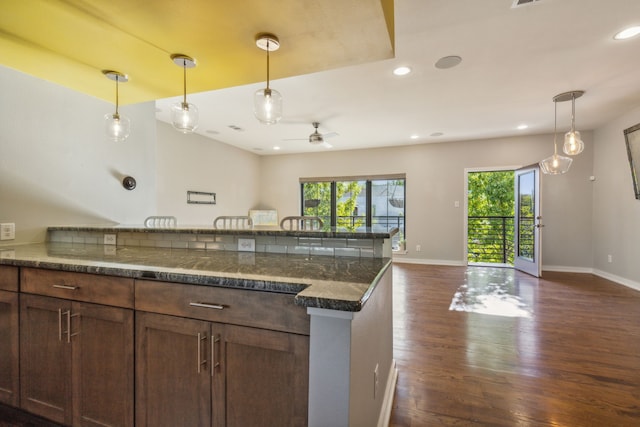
(117, 126)
(572, 142)
(555, 165)
(267, 103)
(184, 116)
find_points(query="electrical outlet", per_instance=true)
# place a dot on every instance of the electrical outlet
(246, 245)
(418, 248)
(7, 231)
(8, 254)
(110, 239)
(610, 258)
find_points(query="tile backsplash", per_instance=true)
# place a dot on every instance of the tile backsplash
(347, 247)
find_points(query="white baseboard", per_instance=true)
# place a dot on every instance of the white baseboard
(389, 393)
(618, 279)
(567, 269)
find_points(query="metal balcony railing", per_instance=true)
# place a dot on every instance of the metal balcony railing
(490, 239)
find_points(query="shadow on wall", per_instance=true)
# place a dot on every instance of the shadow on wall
(33, 208)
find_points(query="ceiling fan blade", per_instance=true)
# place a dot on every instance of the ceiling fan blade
(330, 135)
(327, 145)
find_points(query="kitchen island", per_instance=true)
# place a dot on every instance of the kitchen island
(332, 312)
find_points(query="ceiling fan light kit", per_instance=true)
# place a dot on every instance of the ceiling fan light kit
(184, 116)
(117, 126)
(267, 103)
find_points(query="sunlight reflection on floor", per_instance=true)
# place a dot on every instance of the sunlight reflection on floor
(491, 291)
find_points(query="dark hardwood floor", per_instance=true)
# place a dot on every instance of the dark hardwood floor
(569, 357)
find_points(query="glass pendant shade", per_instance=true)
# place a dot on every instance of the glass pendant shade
(184, 117)
(267, 106)
(267, 102)
(572, 143)
(117, 127)
(556, 164)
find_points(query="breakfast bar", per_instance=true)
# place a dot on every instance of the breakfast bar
(294, 326)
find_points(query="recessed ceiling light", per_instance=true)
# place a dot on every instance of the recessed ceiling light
(448, 62)
(402, 71)
(522, 127)
(627, 33)
(276, 148)
(414, 136)
(436, 134)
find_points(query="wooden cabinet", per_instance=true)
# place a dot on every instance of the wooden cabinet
(9, 375)
(263, 378)
(76, 357)
(192, 371)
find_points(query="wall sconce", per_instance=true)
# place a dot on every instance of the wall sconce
(267, 103)
(572, 142)
(556, 164)
(117, 126)
(184, 116)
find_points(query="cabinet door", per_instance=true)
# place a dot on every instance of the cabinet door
(264, 378)
(173, 379)
(45, 356)
(102, 365)
(9, 376)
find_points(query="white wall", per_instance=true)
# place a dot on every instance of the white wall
(56, 165)
(195, 163)
(435, 180)
(616, 212)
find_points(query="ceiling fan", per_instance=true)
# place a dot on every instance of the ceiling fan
(317, 138)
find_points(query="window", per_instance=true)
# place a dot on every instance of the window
(357, 203)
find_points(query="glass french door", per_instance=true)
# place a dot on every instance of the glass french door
(528, 250)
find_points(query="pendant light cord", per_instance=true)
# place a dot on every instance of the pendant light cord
(267, 63)
(573, 112)
(117, 101)
(184, 80)
(555, 127)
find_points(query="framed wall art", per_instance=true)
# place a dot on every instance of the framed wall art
(632, 138)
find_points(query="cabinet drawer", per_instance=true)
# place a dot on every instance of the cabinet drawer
(107, 290)
(8, 278)
(258, 309)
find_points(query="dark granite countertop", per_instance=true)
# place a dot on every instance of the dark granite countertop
(337, 283)
(257, 231)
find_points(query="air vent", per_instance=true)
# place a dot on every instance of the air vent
(518, 3)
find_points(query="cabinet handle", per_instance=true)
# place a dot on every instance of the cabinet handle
(70, 288)
(215, 339)
(201, 337)
(207, 305)
(69, 334)
(59, 324)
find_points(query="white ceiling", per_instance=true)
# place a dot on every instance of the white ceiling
(514, 61)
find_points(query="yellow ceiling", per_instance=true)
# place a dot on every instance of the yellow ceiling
(70, 42)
